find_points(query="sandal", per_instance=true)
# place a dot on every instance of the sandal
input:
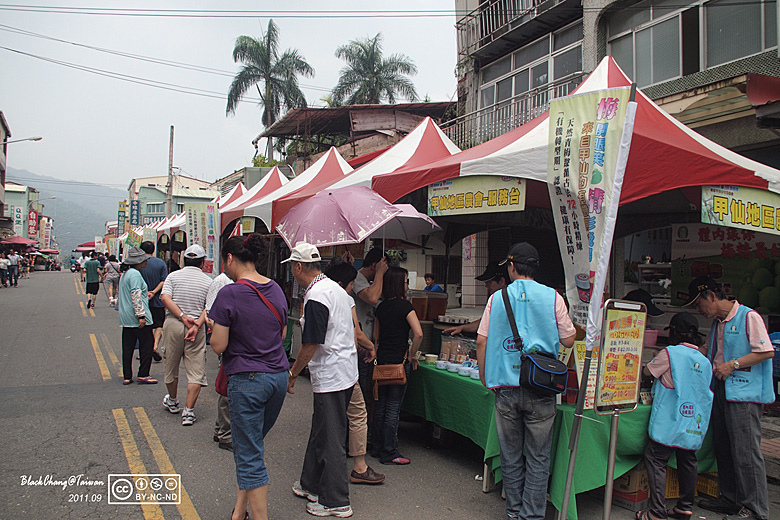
(127, 381)
(679, 514)
(147, 381)
(398, 461)
(246, 514)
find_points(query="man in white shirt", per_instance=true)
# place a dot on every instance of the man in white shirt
(328, 347)
(13, 268)
(184, 337)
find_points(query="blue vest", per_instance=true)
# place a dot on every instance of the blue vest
(681, 415)
(753, 384)
(534, 307)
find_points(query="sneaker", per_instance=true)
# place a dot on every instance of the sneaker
(89, 303)
(317, 509)
(743, 514)
(188, 417)
(171, 404)
(367, 477)
(156, 356)
(298, 491)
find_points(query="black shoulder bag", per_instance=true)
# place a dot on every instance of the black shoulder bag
(539, 372)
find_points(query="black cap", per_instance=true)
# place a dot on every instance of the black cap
(642, 296)
(683, 322)
(522, 253)
(698, 286)
(493, 271)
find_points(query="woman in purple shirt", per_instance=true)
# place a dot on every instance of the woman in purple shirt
(248, 332)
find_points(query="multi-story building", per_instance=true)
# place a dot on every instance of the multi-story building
(151, 200)
(5, 222)
(23, 207)
(711, 64)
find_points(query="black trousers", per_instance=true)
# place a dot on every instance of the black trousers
(656, 457)
(325, 463)
(145, 338)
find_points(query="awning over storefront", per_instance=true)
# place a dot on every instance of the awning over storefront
(665, 154)
(271, 182)
(424, 144)
(328, 168)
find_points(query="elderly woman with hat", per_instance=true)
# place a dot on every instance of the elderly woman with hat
(135, 318)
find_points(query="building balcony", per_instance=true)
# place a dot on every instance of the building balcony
(500, 26)
(487, 123)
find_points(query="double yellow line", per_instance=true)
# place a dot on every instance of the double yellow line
(101, 361)
(137, 467)
(80, 290)
(79, 287)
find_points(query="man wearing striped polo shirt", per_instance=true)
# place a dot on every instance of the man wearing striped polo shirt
(184, 336)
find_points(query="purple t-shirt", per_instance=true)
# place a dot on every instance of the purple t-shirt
(255, 342)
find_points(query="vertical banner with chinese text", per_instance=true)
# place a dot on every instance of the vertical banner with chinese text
(32, 224)
(120, 219)
(201, 227)
(586, 132)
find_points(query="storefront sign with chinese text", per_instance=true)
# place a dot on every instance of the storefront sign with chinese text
(476, 194)
(621, 358)
(742, 208)
(32, 224)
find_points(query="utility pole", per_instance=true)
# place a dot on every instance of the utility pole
(169, 192)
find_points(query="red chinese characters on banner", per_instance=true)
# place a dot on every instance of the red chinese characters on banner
(32, 223)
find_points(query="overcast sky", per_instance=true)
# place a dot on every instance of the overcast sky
(108, 131)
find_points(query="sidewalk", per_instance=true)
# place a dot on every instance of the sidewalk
(770, 447)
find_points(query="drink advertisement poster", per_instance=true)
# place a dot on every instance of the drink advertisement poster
(202, 227)
(584, 139)
(579, 363)
(620, 362)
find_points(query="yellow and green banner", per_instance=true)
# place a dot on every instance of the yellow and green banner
(742, 208)
(476, 194)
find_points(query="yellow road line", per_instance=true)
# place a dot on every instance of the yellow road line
(111, 355)
(133, 456)
(186, 508)
(100, 360)
(83, 309)
(76, 284)
(92, 313)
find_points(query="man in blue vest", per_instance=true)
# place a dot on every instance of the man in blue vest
(524, 419)
(682, 403)
(741, 356)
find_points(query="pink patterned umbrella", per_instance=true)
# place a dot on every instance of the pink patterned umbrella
(341, 216)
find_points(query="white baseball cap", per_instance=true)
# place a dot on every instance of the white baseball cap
(303, 252)
(195, 251)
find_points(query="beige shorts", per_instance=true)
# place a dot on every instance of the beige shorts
(192, 352)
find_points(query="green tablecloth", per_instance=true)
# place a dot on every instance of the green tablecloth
(463, 405)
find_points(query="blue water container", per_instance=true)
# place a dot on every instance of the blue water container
(775, 339)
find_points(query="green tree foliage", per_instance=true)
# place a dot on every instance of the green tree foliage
(369, 77)
(260, 161)
(274, 75)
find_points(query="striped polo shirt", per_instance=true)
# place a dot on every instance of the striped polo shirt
(188, 287)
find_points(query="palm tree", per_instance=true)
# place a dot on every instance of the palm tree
(274, 75)
(369, 78)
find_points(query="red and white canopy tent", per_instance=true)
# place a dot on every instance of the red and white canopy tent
(271, 182)
(665, 154)
(237, 191)
(327, 169)
(424, 144)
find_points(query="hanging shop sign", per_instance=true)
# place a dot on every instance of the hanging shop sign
(585, 133)
(247, 225)
(120, 219)
(477, 194)
(741, 208)
(201, 226)
(134, 212)
(32, 224)
(134, 238)
(17, 214)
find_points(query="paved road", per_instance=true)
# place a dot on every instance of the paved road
(67, 416)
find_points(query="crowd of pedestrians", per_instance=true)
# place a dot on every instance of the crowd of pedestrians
(355, 319)
(13, 266)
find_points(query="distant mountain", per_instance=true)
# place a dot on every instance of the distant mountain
(80, 209)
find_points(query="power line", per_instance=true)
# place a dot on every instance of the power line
(133, 79)
(140, 57)
(58, 181)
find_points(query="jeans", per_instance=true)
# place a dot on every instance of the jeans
(13, 274)
(324, 470)
(256, 399)
(4, 277)
(386, 416)
(656, 457)
(736, 429)
(524, 421)
(144, 337)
